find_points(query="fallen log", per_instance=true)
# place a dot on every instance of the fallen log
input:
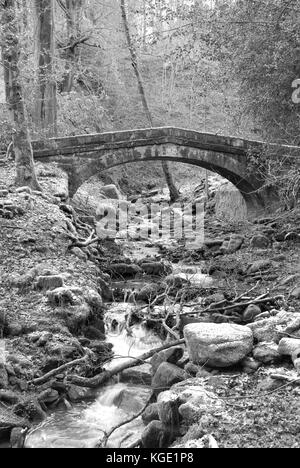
(236, 305)
(106, 375)
(255, 301)
(58, 370)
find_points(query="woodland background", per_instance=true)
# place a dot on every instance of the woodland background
(221, 66)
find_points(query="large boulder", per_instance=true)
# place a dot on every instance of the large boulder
(139, 375)
(155, 436)
(193, 400)
(167, 375)
(273, 328)
(171, 355)
(293, 327)
(289, 347)
(217, 345)
(168, 404)
(132, 399)
(150, 414)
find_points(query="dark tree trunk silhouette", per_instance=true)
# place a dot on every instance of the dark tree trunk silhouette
(46, 107)
(70, 52)
(25, 172)
(174, 194)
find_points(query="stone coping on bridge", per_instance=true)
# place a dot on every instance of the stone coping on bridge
(151, 136)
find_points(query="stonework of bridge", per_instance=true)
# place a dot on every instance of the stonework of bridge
(85, 155)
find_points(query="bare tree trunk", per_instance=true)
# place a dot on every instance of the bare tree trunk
(174, 194)
(25, 172)
(46, 108)
(72, 10)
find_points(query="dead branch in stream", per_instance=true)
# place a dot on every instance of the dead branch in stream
(225, 302)
(255, 301)
(106, 375)
(242, 296)
(58, 370)
(170, 330)
(260, 300)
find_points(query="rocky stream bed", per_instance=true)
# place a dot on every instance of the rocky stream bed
(196, 347)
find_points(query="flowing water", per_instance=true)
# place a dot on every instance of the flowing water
(83, 425)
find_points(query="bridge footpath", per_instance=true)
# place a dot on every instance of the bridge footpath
(154, 136)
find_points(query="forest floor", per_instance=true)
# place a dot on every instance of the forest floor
(39, 337)
(260, 412)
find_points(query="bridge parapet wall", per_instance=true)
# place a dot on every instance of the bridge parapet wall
(84, 155)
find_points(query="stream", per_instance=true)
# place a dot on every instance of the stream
(84, 424)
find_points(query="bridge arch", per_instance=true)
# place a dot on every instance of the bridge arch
(85, 155)
(227, 166)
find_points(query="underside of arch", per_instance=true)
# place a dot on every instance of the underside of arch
(231, 167)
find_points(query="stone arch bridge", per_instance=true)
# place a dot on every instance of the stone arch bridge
(85, 155)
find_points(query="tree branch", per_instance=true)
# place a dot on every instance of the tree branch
(102, 378)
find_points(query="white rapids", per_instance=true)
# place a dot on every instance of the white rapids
(84, 425)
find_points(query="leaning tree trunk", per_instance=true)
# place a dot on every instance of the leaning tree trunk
(25, 172)
(174, 194)
(46, 106)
